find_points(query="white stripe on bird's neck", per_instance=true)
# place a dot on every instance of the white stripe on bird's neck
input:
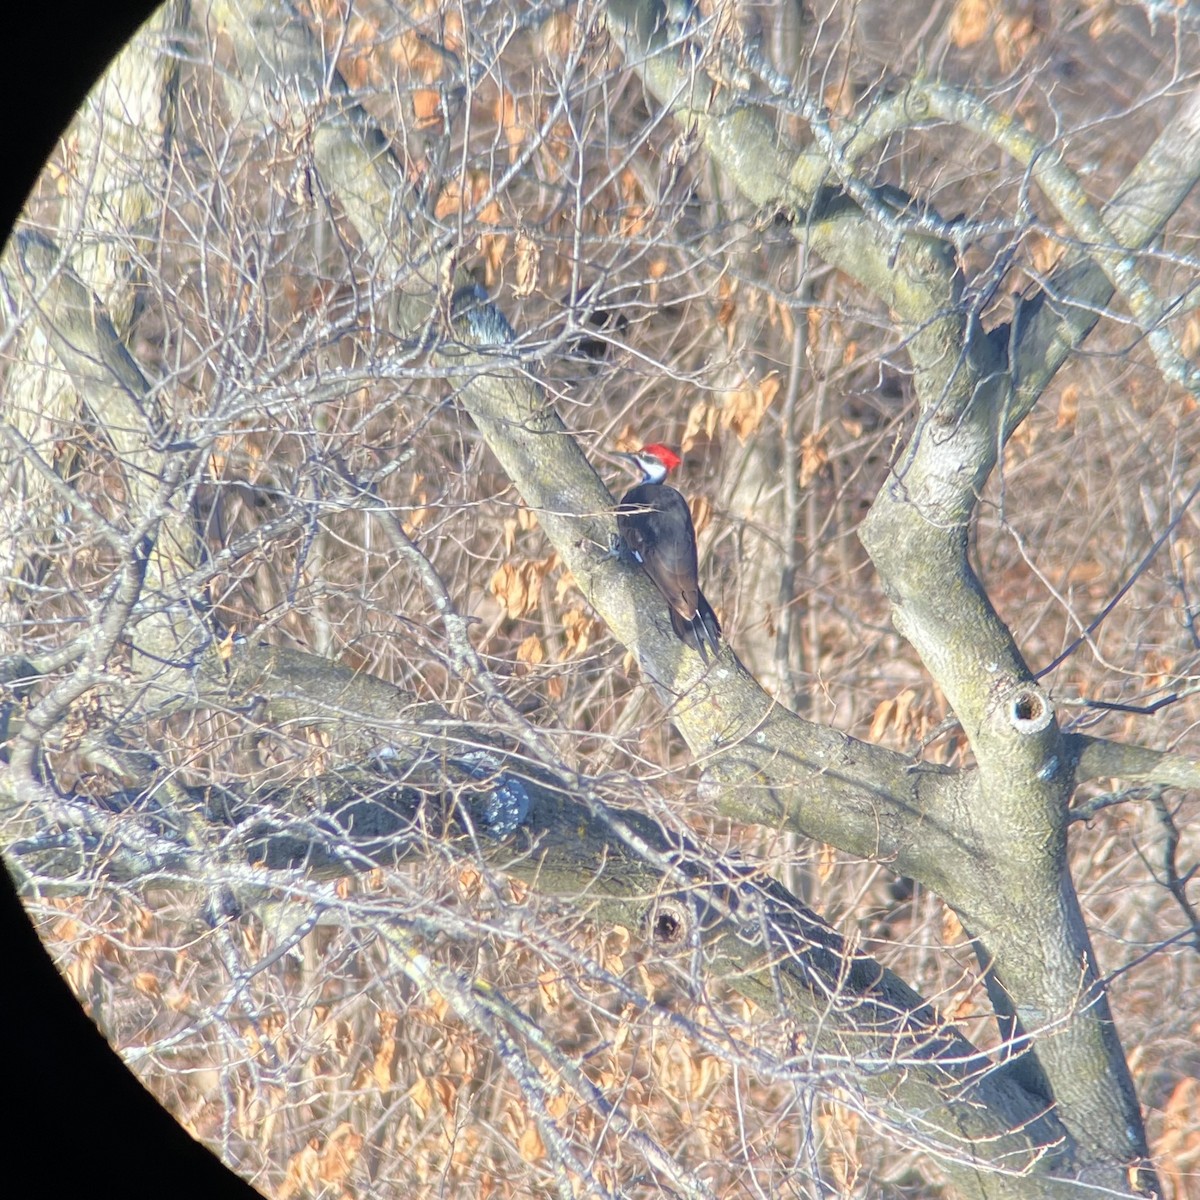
(653, 470)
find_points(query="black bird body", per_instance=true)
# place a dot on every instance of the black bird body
(656, 528)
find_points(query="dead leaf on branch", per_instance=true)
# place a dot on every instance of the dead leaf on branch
(969, 22)
(952, 930)
(1015, 37)
(518, 586)
(508, 117)
(385, 1056)
(1068, 408)
(702, 513)
(559, 36)
(531, 651)
(703, 418)
(743, 409)
(422, 1096)
(529, 256)
(781, 315)
(826, 862)
(726, 289)
(580, 630)
(813, 456)
(1190, 342)
(899, 715)
(839, 1127)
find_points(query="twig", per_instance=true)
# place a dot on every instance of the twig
(1176, 883)
(1133, 578)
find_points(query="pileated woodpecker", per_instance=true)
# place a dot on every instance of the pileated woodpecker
(656, 528)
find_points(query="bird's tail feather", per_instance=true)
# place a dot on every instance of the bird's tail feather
(702, 631)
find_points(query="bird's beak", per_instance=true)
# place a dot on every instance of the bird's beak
(628, 461)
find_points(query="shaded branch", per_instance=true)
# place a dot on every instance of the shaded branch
(1099, 758)
(483, 806)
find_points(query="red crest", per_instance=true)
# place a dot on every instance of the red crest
(664, 454)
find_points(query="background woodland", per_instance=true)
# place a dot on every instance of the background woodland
(367, 802)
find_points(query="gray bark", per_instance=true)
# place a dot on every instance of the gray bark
(991, 840)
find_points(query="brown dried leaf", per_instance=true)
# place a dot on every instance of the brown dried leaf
(1179, 1142)
(840, 1129)
(421, 1094)
(702, 419)
(728, 309)
(579, 631)
(826, 862)
(708, 1074)
(531, 651)
(449, 200)
(518, 586)
(548, 986)
(839, 98)
(340, 1152)
(952, 930)
(302, 1172)
(1015, 37)
(146, 983)
(530, 1145)
(656, 270)
(452, 28)
(635, 212)
(564, 584)
(1045, 252)
(176, 998)
(359, 62)
(1068, 408)
(634, 220)
(446, 1091)
(455, 198)
(508, 117)
(1024, 437)
(417, 516)
(470, 882)
(426, 107)
(529, 255)
(744, 408)
(493, 247)
(815, 319)
(616, 946)
(969, 22)
(558, 36)
(881, 719)
(813, 456)
(781, 315)
(961, 1006)
(385, 1056)
(417, 56)
(897, 713)
(1190, 342)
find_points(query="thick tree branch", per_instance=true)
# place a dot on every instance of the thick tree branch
(1099, 758)
(916, 534)
(925, 1081)
(991, 840)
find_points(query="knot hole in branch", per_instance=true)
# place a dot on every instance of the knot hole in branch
(668, 923)
(1030, 710)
